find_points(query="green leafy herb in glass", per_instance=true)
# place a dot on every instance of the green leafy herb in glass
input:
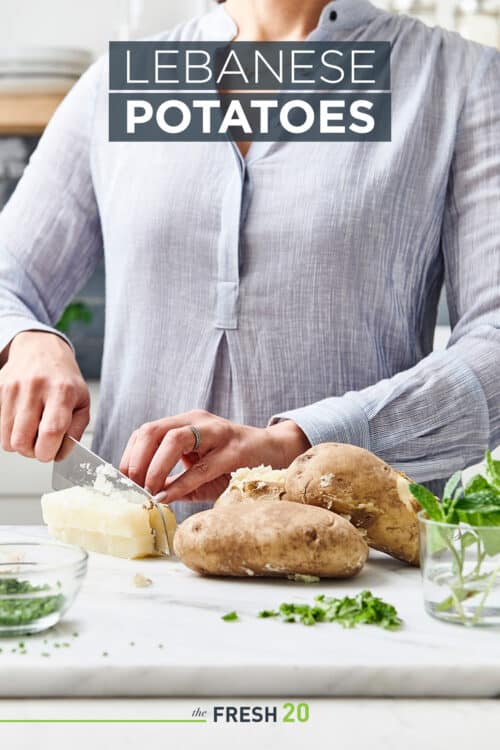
(26, 603)
(476, 506)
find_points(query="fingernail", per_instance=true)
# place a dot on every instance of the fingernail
(160, 497)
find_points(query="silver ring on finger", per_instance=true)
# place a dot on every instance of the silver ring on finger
(197, 438)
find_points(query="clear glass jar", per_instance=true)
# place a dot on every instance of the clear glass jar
(460, 567)
(425, 10)
(479, 20)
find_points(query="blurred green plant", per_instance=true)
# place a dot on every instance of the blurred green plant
(76, 312)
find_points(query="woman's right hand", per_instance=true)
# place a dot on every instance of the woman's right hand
(42, 396)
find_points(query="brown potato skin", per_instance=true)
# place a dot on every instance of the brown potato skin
(272, 539)
(361, 487)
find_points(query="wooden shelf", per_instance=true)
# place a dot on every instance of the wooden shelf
(27, 114)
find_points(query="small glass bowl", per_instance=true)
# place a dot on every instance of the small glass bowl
(38, 584)
(460, 567)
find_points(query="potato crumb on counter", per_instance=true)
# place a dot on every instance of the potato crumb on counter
(299, 578)
(141, 582)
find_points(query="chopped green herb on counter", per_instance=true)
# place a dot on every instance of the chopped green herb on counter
(25, 610)
(230, 617)
(362, 609)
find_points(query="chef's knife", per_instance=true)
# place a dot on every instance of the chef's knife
(77, 466)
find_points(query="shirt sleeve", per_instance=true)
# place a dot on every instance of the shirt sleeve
(50, 236)
(442, 414)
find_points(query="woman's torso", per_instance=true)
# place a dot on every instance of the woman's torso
(312, 270)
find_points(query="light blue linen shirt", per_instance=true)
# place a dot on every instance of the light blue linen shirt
(300, 282)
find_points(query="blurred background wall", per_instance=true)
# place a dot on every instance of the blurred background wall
(92, 23)
(88, 23)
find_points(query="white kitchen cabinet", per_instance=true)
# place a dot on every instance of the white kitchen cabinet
(24, 510)
(22, 482)
(24, 476)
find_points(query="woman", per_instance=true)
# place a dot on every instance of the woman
(275, 295)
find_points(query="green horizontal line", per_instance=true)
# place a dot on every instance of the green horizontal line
(103, 721)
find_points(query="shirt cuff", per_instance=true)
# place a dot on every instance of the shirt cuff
(334, 420)
(12, 325)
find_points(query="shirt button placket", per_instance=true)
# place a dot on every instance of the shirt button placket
(228, 282)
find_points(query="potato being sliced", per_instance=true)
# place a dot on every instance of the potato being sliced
(111, 524)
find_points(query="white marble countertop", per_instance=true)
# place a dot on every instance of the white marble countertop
(183, 648)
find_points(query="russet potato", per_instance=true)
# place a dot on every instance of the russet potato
(274, 539)
(355, 483)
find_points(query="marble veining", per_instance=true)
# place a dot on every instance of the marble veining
(183, 648)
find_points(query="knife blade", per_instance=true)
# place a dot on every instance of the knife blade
(78, 466)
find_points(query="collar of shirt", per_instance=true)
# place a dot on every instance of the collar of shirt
(338, 15)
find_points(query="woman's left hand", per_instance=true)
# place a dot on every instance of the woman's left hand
(155, 448)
